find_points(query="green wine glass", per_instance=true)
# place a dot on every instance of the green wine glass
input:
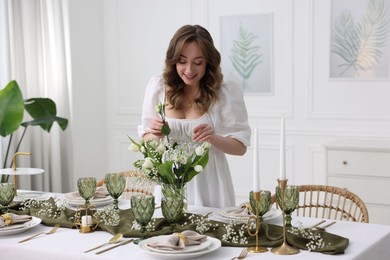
(115, 183)
(143, 209)
(291, 200)
(7, 194)
(87, 189)
(172, 210)
(264, 203)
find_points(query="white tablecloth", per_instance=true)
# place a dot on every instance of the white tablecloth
(367, 241)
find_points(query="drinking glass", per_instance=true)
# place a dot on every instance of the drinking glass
(172, 210)
(264, 203)
(87, 189)
(291, 200)
(115, 183)
(143, 209)
(7, 194)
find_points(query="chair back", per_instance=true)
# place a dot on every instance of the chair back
(328, 202)
(137, 183)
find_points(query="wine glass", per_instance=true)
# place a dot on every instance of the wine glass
(87, 189)
(264, 203)
(172, 209)
(115, 183)
(291, 200)
(7, 194)
(143, 209)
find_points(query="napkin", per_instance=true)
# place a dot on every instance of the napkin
(178, 241)
(241, 211)
(101, 192)
(11, 218)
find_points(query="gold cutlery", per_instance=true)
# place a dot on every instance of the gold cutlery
(112, 240)
(120, 244)
(325, 226)
(319, 223)
(52, 231)
(242, 255)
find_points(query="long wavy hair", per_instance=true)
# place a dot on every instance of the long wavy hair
(210, 83)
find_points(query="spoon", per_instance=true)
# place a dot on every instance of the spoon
(323, 227)
(112, 240)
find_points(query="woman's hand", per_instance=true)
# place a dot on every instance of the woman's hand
(205, 132)
(155, 126)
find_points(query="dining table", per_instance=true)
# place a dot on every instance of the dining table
(366, 241)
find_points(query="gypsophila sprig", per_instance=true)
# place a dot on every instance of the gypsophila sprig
(50, 209)
(108, 215)
(150, 227)
(169, 162)
(315, 238)
(202, 223)
(235, 233)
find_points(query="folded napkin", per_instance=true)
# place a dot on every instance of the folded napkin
(11, 218)
(241, 211)
(178, 241)
(101, 192)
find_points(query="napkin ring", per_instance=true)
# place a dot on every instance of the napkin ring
(8, 219)
(182, 237)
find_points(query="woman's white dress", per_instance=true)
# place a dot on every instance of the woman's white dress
(213, 187)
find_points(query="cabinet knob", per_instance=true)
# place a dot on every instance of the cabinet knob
(345, 162)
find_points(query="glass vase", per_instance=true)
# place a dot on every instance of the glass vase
(176, 193)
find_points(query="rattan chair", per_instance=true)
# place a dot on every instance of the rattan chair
(328, 202)
(137, 183)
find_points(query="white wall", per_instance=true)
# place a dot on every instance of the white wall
(129, 38)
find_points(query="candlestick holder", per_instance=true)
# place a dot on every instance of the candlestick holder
(85, 218)
(257, 248)
(285, 248)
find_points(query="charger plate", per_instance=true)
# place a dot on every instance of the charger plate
(215, 244)
(19, 228)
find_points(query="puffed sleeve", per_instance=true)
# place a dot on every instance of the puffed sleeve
(154, 94)
(230, 115)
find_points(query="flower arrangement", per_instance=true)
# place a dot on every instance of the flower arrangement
(168, 162)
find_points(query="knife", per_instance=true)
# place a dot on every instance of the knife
(120, 244)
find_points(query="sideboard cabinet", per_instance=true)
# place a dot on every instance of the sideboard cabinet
(362, 167)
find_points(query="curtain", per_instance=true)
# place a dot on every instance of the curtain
(36, 45)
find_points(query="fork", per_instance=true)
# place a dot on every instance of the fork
(52, 231)
(242, 255)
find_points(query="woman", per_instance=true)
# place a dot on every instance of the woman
(200, 105)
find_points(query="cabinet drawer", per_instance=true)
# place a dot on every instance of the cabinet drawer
(358, 163)
(370, 190)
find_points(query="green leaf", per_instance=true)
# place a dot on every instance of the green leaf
(165, 129)
(165, 171)
(200, 160)
(11, 108)
(44, 113)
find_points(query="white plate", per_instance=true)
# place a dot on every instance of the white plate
(31, 195)
(97, 202)
(214, 245)
(19, 228)
(224, 216)
(187, 249)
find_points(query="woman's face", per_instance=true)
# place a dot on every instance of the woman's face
(191, 66)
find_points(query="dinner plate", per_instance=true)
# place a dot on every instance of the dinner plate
(99, 202)
(21, 196)
(214, 245)
(19, 228)
(224, 216)
(187, 249)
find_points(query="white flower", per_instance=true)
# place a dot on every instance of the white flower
(198, 168)
(206, 145)
(159, 107)
(183, 159)
(148, 163)
(143, 150)
(199, 150)
(161, 148)
(133, 148)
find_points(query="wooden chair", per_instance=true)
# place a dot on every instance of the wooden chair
(137, 183)
(328, 202)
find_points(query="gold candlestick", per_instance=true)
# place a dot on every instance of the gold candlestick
(284, 249)
(257, 248)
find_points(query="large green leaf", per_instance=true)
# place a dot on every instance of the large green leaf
(44, 113)
(11, 108)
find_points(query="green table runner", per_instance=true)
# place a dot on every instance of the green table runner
(234, 234)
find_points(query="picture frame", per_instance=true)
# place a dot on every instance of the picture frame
(360, 39)
(247, 51)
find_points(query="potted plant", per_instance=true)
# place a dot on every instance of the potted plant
(12, 105)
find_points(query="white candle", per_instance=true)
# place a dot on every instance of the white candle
(256, 174)
(282, 174)
(86, 221)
